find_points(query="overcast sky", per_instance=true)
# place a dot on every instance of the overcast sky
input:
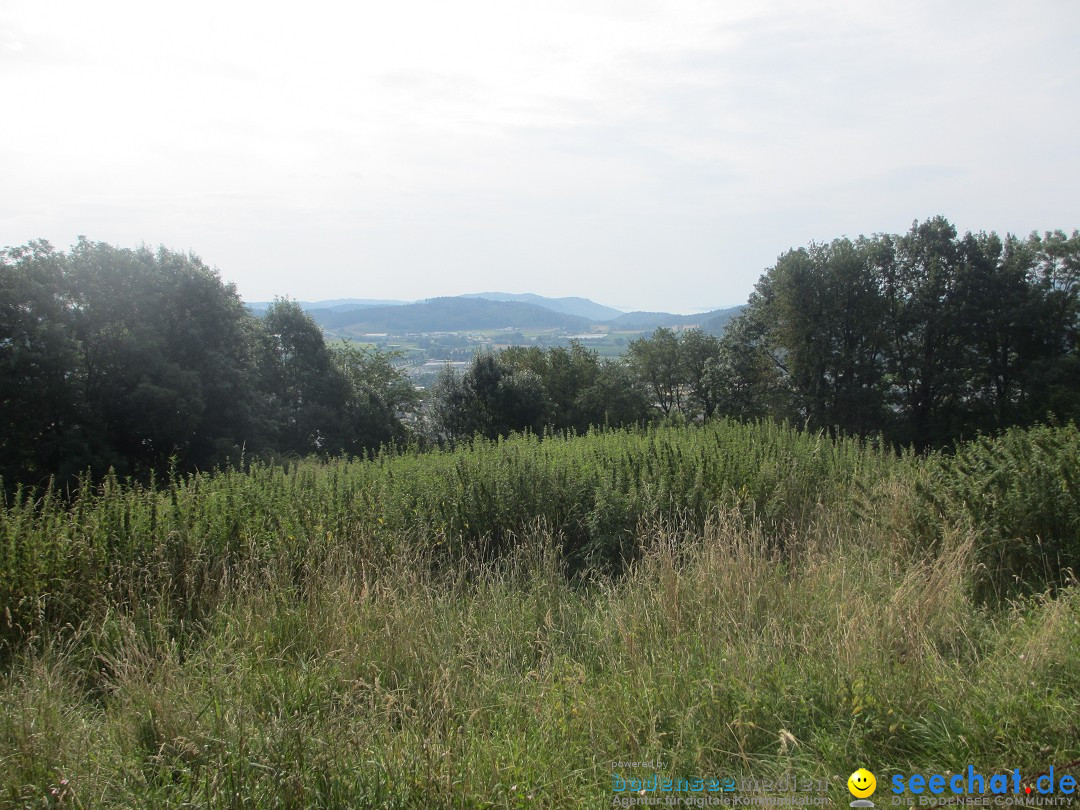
(644, 153)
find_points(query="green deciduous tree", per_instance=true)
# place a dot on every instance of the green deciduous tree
(656, 364)
(925, 337)
(529, 388)
(750, 379)
(822, 309)
(138, 360)
(306, 391)
(121, 358)
(579, 389)
(490, 399)
(41, 413)
(378, 396)
(701, 370)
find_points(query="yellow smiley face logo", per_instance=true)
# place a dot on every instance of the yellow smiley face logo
(861, 783)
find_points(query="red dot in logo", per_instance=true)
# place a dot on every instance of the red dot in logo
(1028, 788)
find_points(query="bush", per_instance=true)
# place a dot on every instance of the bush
(1018, 492)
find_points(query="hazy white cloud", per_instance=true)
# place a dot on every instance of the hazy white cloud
(648, 154)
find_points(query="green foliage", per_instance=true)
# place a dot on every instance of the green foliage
(306, 392)
(490, 399)
(685, 374)
(163, 366)
(117, 542)
(40, 410)
(119, 358)
(1019, 494)
(135, 360)
(580, 390)
(379, 396)
(751, 379)
(522, 388)
(925, 338)
(823, 315)
(401, 631)
(701, 368)
(375, 680)
(655, 362)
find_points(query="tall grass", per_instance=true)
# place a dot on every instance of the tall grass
(189, 535)
(337, 636)
(716, 652)
(1019, 493)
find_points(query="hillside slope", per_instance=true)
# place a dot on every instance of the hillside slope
(572, 305)
(449, 315)
(713, 321)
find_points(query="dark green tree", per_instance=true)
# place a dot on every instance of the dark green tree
(925, 337)
(927, 350)
(1052, 379)
(751, 379)
(120, 358)
(165, 357)
(490, 399)
(655, 363)
(379, 397)
(42, 414)
(561, 388)
(818, 313)
(449, 414)
(307, 392)
(613, 398)
(569, 375)
(701, 371)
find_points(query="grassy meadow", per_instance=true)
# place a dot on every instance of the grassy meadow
(491, 626)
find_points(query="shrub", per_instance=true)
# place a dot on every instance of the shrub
(1018, 492)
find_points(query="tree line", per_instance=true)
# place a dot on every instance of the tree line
(139, 360)
(922, 339)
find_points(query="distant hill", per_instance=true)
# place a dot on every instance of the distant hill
(581, 307)
(714, 321)
(646, 320)
(717, 320)
(448, 315)
(335, 304)
(493, 310)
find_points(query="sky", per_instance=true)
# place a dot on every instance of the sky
(647, 154)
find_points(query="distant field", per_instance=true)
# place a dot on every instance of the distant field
(494, 625)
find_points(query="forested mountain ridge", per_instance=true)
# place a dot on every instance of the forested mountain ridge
(482, 311)
(335, 304)
(572, 305)
(451, 314)
(713, 321)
